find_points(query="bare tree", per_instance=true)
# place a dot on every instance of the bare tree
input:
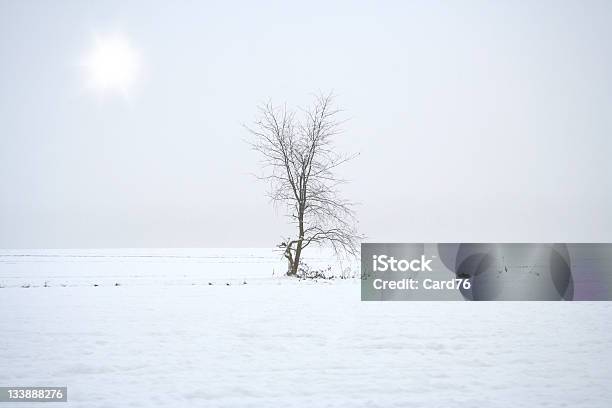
(300, 159)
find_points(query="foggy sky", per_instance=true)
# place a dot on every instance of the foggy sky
(476, 121)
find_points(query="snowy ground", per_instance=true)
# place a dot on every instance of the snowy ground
(165, 337)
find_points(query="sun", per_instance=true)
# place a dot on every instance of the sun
(112, 65)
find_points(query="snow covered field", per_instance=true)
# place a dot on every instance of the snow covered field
(165, 337)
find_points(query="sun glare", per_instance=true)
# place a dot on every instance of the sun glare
(112, 65)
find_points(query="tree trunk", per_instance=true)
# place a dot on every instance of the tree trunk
(289, 257)
(296, 259)
(298, 249)
(289, 267)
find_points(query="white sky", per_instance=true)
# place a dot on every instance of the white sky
(476, 121)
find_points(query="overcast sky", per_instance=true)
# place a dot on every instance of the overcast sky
(476, 121)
